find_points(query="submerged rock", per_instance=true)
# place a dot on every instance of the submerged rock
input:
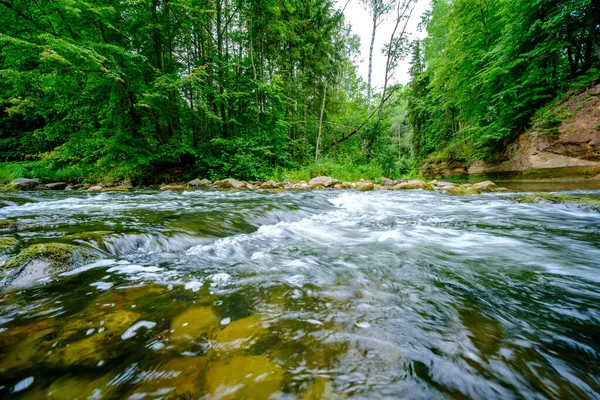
(229, 183)
(102, 343)
(178, 378)
(40, 261)
(320, 389)
(253, 377)
(26, 184)
(240, 335)
(193, 324)
(322, 181)
(582, 201)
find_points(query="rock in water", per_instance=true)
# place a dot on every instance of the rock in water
(96, 188)
(269, 185)
(173, 187)
(39, 261)
(387, 182)
(57, 186)
(365, 186)
(485, 186)
(229, 183)
(200, 183)
(322, 181)
(25, 184)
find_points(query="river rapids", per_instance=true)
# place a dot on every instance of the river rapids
(304, 295)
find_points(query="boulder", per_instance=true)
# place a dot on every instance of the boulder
(456, 190)
(300, 185)
(399, 181)
(441, 185)
(596, 178)
(269, 185)
(57, 186)
(40, 261)
(201, 183)
(364, 186)
(387, 182)
(322, 181)
(229, 183)
(173, 187)
(26, 184)
(288, 182)
(96, 188)
(412, 184)
(485, 186)
(117, 189)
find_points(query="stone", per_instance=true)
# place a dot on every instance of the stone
(365, 186)
(347, 185)
(74, 187)
(399, 181)
(116, 189)
(322, 182)
(240, 334)
(412, 184)
(229, 183)
(8, 244)
(200, 183)
(456, 190)
(96, 188)
(26, 184)
(301, 185)
(173, 187)
(251, 377)
(287, 182)
(387, 182)
(441, 185)
(596, 178)
(193, 324)
(269, 185)
(41, 260)
(8, 226)
(57, 186)
(320, 389)
(177, 378)
(485, 186)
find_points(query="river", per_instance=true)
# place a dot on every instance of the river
(305, 294)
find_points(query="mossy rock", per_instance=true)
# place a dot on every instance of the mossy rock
(460, 191)
(74, 387)
(8, 226)
(8, 244)
(102, 344)
(240, 335)
(193, 324)
(41, 260)
(585, 202)
(253, 377)
(9, 188)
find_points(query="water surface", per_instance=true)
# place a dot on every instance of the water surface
(329, 294)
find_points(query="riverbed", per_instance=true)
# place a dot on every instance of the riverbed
(305, 294)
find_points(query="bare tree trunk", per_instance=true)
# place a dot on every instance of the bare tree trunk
(369, 88)
(321, 122)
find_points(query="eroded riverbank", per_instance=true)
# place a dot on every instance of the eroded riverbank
(305, 293)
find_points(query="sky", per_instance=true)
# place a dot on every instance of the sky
(361, 23)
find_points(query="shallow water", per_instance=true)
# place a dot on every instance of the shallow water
(320, 294)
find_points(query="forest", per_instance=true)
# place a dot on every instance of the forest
(149, 90)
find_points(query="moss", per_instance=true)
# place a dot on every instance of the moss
(8, 244)
(8, 188)
(8, 226)
(58, 254)
(587, 202)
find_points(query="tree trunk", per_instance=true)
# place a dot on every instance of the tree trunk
(321, 122)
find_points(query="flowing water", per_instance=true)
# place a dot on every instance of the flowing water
(316, 294)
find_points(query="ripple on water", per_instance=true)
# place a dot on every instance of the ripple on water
(326, 293)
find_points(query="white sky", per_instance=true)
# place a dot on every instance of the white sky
(361, 23)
